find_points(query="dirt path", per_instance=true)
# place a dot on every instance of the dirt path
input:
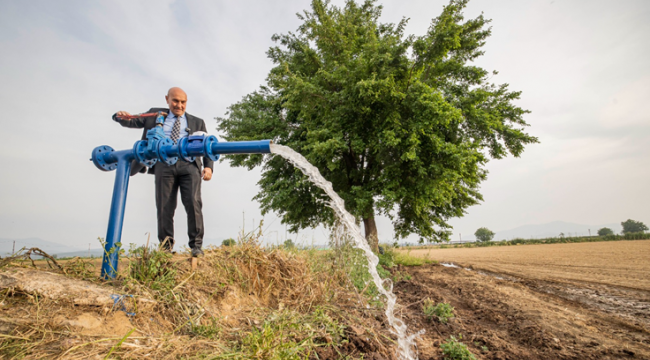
(528, 315)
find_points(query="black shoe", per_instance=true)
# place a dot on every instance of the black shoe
(197, 252)
(167, 245)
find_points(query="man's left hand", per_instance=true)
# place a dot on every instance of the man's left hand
(207, 174)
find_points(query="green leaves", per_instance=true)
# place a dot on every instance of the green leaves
(401, 125)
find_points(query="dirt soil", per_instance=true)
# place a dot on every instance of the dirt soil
(534, 302)
(617, 263)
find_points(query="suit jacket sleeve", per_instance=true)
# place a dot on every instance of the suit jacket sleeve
(207, 162)
(137, 123)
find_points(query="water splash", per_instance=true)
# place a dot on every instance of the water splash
(405, 342)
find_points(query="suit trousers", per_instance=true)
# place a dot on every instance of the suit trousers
(169, 179)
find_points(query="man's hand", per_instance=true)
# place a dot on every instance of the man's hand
(207, 174)
(122, 113)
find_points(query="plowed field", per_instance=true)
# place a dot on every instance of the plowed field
(560, 301)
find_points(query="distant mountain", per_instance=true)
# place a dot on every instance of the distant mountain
(6, 246)
(552, 229)
(84, 253)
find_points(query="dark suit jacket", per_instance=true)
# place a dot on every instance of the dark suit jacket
(193, 123)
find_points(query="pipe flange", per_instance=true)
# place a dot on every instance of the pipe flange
(139, 150)
(207, 146)
(182, 149)
(98, 158)
(162, 154)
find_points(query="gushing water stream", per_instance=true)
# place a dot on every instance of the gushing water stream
(405, 342)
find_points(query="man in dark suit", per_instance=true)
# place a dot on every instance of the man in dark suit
(182, 175)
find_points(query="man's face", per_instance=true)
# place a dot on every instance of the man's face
(177, 100)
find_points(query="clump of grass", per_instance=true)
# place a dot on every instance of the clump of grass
(209, 330)
(406, 259)
(441, 311)
(387, 259)
(79, 268)
(290, 335)
(152, 269)
(399, 276)
(456, 350)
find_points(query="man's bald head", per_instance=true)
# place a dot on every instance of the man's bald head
(177, 100)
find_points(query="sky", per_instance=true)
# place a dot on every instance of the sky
(67, 66)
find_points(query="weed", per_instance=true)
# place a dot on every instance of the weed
(151, 268)
(353, 263)
(290, 335)
(406, 259)
(387, 258)
(442, 311)
(209, 330)
(79, 268)
(456, 350)
(399, 276)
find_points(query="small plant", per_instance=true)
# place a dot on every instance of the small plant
(79, 268)
(442, 311)
(456, 350)
(152, 268)
(399, 276)
(209, 330)
(287, 335)
(228, 242)
(387, 258)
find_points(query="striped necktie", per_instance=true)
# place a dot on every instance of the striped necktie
(176, 129)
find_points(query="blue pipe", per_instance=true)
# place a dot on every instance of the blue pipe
(148, 152)
(242, 147)
(116, 217)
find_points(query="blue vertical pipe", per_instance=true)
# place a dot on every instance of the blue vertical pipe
(116, 218)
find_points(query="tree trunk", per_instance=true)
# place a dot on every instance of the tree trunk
(370, 228)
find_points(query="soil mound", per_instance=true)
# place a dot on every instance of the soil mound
(242, 302)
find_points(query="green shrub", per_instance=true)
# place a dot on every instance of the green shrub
(456, 350)
(153, 269)
(442, 311)
(228, 242)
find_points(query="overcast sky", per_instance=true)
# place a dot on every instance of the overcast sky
(67, 66)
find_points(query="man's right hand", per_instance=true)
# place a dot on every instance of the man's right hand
(122, 114)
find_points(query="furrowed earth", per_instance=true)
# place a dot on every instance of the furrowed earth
(560, 301)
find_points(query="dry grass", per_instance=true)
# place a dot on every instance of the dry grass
(242, 302)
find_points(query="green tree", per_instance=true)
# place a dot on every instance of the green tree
(228, 242)
(631, 226)
(401, 125)
(288, 244)
(605, 231)
(484, 234)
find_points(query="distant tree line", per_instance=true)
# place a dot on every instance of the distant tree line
(630, 226)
